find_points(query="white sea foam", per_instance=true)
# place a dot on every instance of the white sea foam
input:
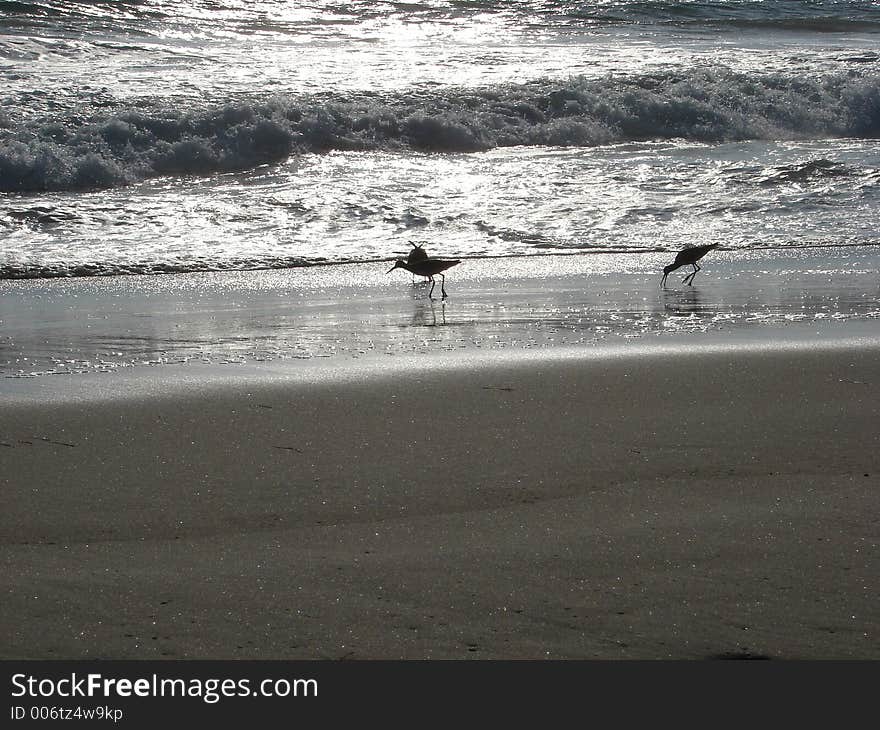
(705, 106)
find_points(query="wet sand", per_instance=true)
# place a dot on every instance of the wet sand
(336, 314)
(687, 501)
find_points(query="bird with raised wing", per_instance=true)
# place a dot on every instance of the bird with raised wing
(428, 268)
(418, 253)
(687, 257)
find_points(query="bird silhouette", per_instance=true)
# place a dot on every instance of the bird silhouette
(418, 253)
(428, 268)
(687, 256)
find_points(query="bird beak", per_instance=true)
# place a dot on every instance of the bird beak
(663, 280)
(391, 269)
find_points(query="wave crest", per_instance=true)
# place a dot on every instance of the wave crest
(707, 106)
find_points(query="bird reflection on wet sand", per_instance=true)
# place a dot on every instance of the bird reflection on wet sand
(687, 302)
(425, 314)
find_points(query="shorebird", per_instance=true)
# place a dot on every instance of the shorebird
(428, 268)
(418, 253)
(689, 255)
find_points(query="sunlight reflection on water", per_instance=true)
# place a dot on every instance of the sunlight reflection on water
(350, 311)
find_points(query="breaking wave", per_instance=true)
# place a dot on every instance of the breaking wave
(112, 149)
(56, 270)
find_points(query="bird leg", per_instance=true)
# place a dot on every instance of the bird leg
(443, 285)
(431, 279)
(691, 275)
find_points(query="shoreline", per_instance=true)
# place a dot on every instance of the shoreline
(688, 505)
(101, 324)
(541, 253)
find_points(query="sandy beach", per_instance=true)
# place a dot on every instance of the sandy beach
(698, 496)
(231, 428)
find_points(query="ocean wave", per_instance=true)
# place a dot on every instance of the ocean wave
(262, 14)
(107, 150)
(818, 16)
(821, 171)
(805, 171)
(58, 270)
